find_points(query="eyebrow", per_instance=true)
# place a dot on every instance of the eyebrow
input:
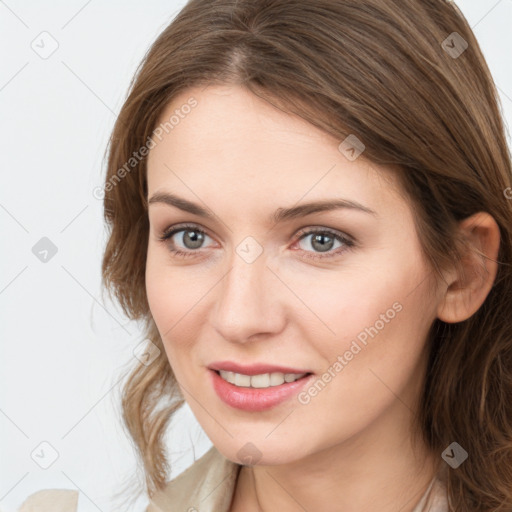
(280, 215)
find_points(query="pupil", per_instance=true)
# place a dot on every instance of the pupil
(195, 237)
(321, 239)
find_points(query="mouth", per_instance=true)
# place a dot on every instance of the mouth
(255, 368)
(257, 392)
(261, 380)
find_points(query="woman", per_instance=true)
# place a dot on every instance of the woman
(308, 204)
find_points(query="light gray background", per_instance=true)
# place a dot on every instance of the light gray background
(63, 347)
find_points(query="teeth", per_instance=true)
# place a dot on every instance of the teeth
(264, 380)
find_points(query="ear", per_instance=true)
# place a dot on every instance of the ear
(466, 291)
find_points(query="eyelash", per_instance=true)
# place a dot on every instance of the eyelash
(168, 233)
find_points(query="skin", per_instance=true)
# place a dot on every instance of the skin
(350, 447)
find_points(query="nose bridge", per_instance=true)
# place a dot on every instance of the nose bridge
(246, 296)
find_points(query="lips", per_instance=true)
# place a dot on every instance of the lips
(255, 369)
(256, 399)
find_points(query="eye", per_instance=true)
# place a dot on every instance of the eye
(323, 240)
(192, 238)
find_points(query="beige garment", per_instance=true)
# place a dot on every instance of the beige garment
(51, 500)
(208, 486)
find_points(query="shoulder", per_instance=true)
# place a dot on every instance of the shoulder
(207, 485)
(51, 500)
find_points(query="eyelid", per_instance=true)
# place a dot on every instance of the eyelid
(324, 229)
(182, 226)
(348, 242)
(176, 228)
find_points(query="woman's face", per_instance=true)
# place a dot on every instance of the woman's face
(340, 293)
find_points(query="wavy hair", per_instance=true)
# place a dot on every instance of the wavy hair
(382, 70)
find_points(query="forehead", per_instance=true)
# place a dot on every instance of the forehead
(236, 146)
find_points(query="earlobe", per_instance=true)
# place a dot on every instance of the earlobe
(468, 289)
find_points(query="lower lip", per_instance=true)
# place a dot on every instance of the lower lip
(255, 399)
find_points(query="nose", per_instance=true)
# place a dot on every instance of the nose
(248, 301)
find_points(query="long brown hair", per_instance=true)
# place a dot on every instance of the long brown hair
(410, 81)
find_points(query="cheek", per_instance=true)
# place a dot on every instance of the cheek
(177, 301)
(381, 337)
(371, 360)
(375, 314)
(168, 307)
(157, 289)
(345, 302)
(170, 291)
(167, 298)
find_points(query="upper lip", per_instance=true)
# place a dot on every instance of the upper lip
(253, 369)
